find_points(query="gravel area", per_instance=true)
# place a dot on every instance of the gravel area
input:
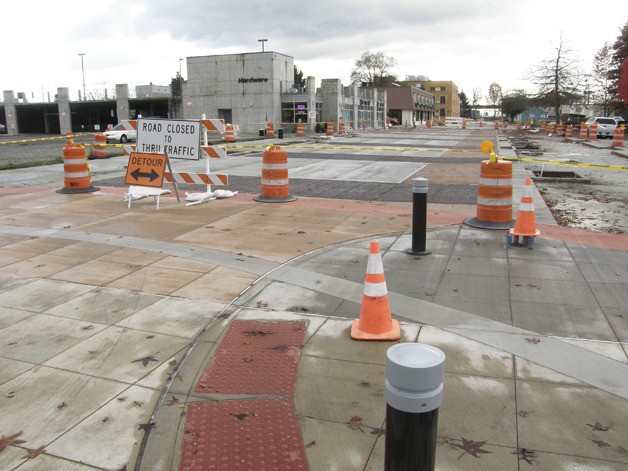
(597, 200)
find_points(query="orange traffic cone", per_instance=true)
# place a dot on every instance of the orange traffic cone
(375, 322)
(525, 225)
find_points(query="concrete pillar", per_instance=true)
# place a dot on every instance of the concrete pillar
(65, 113)
(374, 115)
(356, 106)
(331, 93)
(122, 101)
(310, 85)
(10, 114)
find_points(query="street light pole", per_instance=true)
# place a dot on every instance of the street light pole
(83, 71)
(180, 59)
(262, 41)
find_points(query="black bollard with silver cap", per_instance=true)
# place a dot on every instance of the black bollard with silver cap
(414, 392)
(419, 217)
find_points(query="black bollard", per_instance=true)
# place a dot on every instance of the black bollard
(414, 392)
(419, 217)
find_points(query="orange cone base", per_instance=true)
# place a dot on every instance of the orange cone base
(393, 334)
(525, 234)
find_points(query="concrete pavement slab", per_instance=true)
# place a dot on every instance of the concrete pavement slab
(118, 420)
(119, 354)
(48, 294)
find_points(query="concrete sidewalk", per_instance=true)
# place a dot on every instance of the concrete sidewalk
(110, 317)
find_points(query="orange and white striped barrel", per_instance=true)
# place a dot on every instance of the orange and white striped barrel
(559, 128)
(618, 137)
(496, 124)
(270, 129)
(429, 123)
(300, 130)
(341, 128)
(505, 124)
(593, 132)
(229, 133)
(330, 129)
(494, 207)
(275, 184)
(583, 131)
(569, 131)
(100, 148)
(481, 123)
(77, 178)
(518, 125)
(552, 128)
(464, 124)
(543, 126)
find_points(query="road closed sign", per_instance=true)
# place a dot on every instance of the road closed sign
(146, 169)
(178, 139)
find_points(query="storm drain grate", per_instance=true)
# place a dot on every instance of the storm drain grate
(255, 357)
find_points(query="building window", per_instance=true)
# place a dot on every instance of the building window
(442, 100)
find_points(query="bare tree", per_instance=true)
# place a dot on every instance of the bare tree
(374, 69)
(556, 78)
(495, 96)
(475, 102)
(602, 62)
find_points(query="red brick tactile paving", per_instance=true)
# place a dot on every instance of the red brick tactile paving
(255, 357)
(258, 434)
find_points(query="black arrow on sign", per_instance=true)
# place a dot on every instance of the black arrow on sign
(136, 174)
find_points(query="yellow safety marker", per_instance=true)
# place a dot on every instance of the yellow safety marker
(486, 147)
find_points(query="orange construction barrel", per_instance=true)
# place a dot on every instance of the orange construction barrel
(494, 207)
(77, 178)
(275, 185)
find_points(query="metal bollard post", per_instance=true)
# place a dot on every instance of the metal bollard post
(419, 217)
(414, 392)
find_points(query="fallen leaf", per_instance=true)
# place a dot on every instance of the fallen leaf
(524, 454)
(33, 452)
(10, 440)
(472, 447)
(600, 443)
(146, 360)
(147, 427)
(599, 427)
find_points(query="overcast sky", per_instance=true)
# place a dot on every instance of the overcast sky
(472, 42)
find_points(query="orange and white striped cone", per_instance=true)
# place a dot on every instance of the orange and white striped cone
(525, 225)
(618, 137)
(375, 322)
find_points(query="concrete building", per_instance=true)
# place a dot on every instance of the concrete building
(446, 93)
(243, 89)
(254, 88)
(410, 105)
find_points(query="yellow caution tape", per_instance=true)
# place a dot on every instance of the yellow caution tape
(568, 163)
(396, 149)
(40, 139)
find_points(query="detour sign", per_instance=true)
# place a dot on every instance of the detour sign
(146, 169)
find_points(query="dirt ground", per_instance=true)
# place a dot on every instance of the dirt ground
(598, 200)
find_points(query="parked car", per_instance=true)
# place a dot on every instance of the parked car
(605, 126)
(117, 134)
(619, 120)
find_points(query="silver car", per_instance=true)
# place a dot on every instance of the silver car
(117, 134)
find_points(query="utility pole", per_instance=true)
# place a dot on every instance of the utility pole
(83, 71)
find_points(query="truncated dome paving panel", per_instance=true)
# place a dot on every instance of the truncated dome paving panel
(260, 435)
(255, 357)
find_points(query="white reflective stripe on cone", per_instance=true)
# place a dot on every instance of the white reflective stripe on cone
(375, 290)
(526, 207)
